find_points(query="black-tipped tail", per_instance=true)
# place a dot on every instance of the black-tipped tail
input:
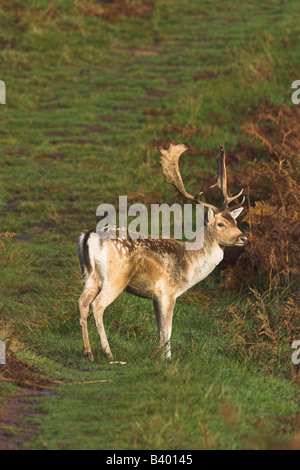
(83, 252)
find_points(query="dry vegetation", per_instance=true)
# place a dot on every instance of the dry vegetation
(113, 10)
(263, 331)
(273, 253)
(265, 328)
(5, 236)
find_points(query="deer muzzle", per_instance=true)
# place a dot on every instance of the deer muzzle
(242, 240)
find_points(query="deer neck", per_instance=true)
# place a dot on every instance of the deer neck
(203, 261)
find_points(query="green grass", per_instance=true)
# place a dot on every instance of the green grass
(152, 406)
(76, 132)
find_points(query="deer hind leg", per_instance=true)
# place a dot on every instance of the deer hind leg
(109, 292)
(164, 308)
(91, 289)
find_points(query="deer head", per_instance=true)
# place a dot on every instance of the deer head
(220, 222)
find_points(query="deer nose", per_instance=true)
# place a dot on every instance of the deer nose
(244, 240)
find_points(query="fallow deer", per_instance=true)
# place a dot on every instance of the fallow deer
(158, 269)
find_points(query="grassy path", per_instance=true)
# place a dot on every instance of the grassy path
(87, 102)
(203, 399)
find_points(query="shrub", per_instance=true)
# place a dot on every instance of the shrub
(273, 193)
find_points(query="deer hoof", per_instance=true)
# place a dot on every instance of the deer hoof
(89, 356)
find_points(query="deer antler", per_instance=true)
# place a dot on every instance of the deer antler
(170, 168)
(222, 181)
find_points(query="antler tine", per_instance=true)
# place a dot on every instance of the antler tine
(238, 205)
(230, 199)
(222, 180)
(222, 173)
(170, 169)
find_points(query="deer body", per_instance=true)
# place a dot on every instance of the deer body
(157, 269)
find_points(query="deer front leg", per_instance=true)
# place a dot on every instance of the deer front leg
(164, 308)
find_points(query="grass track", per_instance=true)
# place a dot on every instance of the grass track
(78, 130)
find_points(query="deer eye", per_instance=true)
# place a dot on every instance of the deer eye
(221, 224)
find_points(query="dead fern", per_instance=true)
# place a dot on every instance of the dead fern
(272, 257)
(262, 331)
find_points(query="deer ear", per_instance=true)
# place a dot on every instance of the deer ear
(236, 212)
(210, 215)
